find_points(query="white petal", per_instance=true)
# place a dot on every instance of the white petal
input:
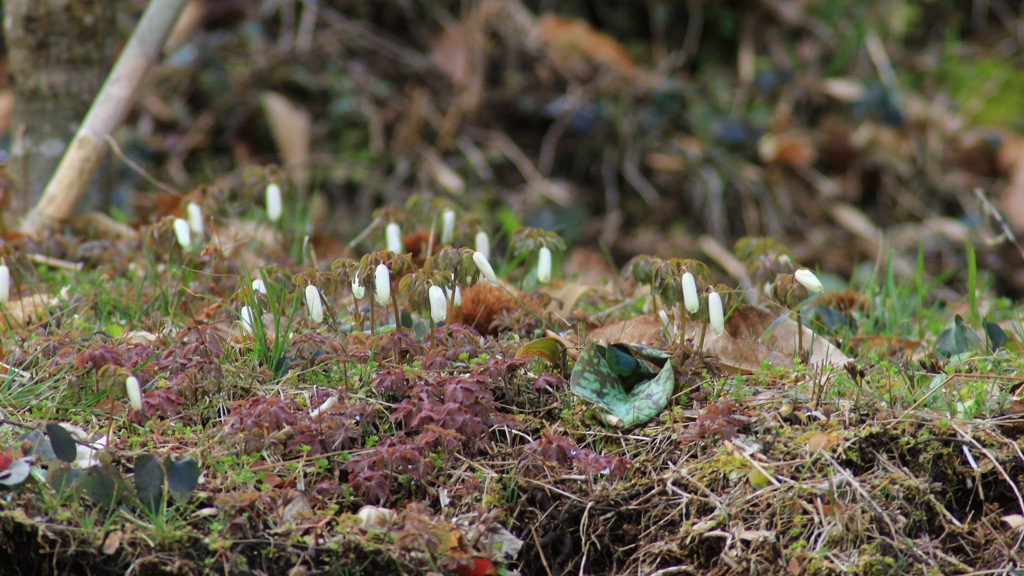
(690, 299)
(485, 267)
(5, 283)
(715, 314)
(327, 405)
(314, 304)
(183, 233)
(382, 284)
(447, 226)
(438, 304)
(274, 205)
(247, 320)
(544, 265)
(483, 244)
(195, 218)
(358, 290)
(394, 237)
(131, 384)
(808, 280)
(259, 286)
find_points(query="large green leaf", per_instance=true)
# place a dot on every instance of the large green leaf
(957, 340)
(612, 377)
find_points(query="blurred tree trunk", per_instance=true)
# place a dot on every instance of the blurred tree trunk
(58, 52)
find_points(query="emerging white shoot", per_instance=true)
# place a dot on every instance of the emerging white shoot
(275, 207)
(358, 290)
(690, 300)
(382, 284)
(438, 304)
(716, 316)
(483, 244)
(314, 304)
(394, 237)
(544, 265)
(131, 384)
(5, 283)
(808, 280)
(247, 320)
(480, 259)
(195, 218)
(183, 233)
(447, 226)
(259, 286)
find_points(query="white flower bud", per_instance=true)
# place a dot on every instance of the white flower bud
(808, 280)
(382, 284)
(358, 290)
(690, 299)
(485, 267)
(183, 234)
(544, 265)
(483, 244)
(394, 237)
(447, 226)
(131, 384)
(314, 304)
(716, 315)
(274, 205)
(247, 321)
(195, 218)
(5, 283)
(259, 286)
(457, 300)
(438, 304)
(327, 405)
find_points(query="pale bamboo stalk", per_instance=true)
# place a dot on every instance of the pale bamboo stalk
(108, 110)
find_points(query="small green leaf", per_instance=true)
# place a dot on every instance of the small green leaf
(103, 484)
(547, 348)
(63, 478)
(182, 477)
(62, 442)
(956, 340)
(997, 338)
(149, 482)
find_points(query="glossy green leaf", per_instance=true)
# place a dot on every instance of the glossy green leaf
(103, 484)
(547, 348)
(594, 379)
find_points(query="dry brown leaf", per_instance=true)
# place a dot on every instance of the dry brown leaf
(643, 330)
(449, 53)
(29, 309)
(819, 442)
(575, 45)
(1010, 161)
(291, 126)
(740, 347)
(564, 296)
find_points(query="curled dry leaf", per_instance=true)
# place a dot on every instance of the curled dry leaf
(18, 313)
